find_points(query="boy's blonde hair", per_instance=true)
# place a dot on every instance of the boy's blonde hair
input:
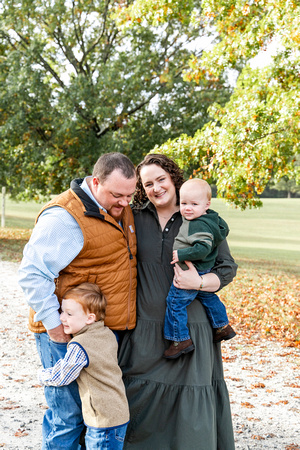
(200, 184)
(90, 297)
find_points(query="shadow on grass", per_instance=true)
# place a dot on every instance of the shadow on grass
(272, 267)
(12, 250)
(19, 222)
(12, 243)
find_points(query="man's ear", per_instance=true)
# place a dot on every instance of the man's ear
(91, 318)
(95, 181)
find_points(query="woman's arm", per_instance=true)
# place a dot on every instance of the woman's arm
(225, 267)
(189, 279)
(221, 274)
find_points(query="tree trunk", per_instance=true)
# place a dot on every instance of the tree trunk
(3, 207)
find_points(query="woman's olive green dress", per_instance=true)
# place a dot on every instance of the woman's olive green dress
(177, 404)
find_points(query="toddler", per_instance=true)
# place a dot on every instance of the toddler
(91, 359)
(202, 230)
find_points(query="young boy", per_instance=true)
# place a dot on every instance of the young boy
(202, 230)
(91, 358)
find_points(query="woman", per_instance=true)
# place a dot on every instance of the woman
(177, 404)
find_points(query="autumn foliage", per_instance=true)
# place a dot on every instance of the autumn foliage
(255, 137)
(262, 304)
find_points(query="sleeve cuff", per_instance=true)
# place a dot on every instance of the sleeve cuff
(52, 321)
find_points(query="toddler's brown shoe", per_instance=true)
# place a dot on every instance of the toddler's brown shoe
(223, 333)
(179, 348)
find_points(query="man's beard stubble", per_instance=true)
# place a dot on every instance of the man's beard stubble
(118, 218)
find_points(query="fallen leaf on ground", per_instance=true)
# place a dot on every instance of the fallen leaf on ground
(21, 433)
(258, 385)
(247, 405)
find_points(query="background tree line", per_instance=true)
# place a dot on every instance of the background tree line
(84, 77)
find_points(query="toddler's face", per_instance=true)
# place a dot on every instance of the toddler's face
(73, 317)
(193, 202)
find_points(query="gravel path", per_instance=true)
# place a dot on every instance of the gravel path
(263, 379)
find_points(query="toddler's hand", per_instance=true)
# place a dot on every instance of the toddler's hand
(175, 257)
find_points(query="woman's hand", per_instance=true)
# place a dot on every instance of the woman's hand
(189, 279)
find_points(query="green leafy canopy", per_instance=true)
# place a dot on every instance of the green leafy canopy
(76, 83)
(85, 77)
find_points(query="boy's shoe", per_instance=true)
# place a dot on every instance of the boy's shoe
(179, 348)
(223, 333)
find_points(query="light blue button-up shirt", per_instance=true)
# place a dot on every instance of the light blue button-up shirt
(55, 241)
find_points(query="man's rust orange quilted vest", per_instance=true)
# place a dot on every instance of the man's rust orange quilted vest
(108, 258)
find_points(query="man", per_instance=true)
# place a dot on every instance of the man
(84, 234)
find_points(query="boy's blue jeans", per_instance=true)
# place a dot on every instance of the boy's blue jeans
(63, 422)
(176, 328)
(105, 438)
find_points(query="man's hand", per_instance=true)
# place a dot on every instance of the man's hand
(58, 335)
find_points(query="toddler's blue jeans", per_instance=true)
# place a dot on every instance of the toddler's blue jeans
(175, 328)
(105, 438)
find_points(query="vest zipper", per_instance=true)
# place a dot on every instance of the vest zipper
(129, 251)
(130, 284)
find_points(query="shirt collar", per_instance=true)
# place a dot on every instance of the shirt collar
(85, 187)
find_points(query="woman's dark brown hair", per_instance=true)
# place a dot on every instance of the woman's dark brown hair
(168, 165)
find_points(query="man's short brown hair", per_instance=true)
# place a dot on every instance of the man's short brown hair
(109, 162)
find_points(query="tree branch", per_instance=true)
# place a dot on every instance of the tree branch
(245, 141)
(44, 63)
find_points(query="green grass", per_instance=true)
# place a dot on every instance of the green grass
(20, 214)
(19, 221)
(269, 236)
(266, 236)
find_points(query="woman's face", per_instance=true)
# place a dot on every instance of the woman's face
(158, 186)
